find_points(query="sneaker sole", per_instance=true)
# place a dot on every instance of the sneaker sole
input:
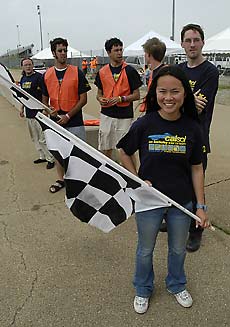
(184, 306)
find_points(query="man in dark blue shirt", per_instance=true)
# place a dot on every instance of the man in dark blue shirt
(31, 82)
(203, 77)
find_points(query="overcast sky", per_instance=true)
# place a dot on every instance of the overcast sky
(88, 24)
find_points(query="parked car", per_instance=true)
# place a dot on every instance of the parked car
(137, 62)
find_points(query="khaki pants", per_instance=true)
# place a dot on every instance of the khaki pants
(37, 136)
(111, 130)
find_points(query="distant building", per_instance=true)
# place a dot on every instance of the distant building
(20, 51)
(12, 57)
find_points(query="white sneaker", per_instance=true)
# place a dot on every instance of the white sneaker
(184, 299)
(141, 304)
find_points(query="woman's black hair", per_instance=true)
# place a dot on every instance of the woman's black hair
(189, 107)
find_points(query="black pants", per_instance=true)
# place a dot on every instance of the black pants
(199, 230)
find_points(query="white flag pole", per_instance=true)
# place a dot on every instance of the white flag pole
(102, 158)
(36, 103)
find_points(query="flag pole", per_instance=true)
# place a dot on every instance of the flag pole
(40, 105)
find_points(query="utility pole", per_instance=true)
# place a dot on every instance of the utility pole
(19, 43)
(40, 25)
(173, 21)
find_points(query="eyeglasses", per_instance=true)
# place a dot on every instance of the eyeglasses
(61, 50)
(195, 40)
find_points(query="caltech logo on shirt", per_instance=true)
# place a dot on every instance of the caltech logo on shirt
(177, 139)
(168, 138)
(167, 143)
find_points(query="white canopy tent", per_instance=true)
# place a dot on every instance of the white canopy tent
(219, 43)
(47, 54)
(136, 49)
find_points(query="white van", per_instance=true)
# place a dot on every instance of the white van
(137, 62)
(222, 62)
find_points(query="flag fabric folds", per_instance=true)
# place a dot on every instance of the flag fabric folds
(98, 191)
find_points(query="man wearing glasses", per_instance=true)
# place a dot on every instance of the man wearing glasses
(203, 77)
(65, 91)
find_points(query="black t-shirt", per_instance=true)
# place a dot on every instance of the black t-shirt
(134, 83)
(204, 77)
(33, 85)
(83, 87)
(167, 149)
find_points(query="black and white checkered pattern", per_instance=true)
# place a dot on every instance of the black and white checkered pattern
(96, 193)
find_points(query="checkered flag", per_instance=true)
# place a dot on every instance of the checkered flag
(96, 193)
(98, 190)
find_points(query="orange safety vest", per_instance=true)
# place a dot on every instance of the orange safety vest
(93, 64)
(84, 64)
(64, 96)
(143, 106)
(113, 89)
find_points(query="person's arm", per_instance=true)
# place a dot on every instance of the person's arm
(21, 111)
(45, 100)
(81, 103)
(200, 101)
(198, 186)
(103, 101)
(205, 96)
(135, 95)
(128, 162)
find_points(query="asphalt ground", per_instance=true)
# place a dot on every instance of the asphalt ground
(57, 271)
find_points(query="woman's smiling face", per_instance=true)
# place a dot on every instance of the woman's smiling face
(170, 96)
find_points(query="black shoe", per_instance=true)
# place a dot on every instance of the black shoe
(193, 243)
(39, 161)
(50, 165)
(163, 228)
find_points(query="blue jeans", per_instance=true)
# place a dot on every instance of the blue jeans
(79, 131)
(148, 224)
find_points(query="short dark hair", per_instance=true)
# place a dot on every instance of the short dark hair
(189, 107)
(112, 42)
(25, 58)
(194, 27)
(56, 41)
(155, 47)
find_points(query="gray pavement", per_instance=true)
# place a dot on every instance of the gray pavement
(56, 271)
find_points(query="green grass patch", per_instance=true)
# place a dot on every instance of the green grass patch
(224, 87)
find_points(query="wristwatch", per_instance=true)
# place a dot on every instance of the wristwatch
(201, 206)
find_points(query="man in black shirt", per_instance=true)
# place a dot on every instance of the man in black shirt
(203, 77)
(31, 82)
(118, 86)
